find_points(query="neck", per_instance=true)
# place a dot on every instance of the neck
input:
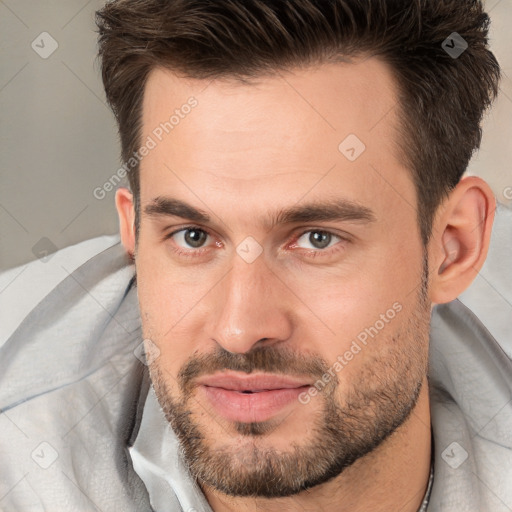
(392, 477)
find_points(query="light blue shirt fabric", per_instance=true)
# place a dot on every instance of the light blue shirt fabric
(81, 430)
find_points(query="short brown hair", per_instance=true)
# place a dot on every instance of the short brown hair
(442, 98)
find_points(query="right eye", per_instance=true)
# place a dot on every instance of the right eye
(189, 238)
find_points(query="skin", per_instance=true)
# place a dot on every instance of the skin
(249, 150)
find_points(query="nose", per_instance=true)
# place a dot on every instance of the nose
(252, 307)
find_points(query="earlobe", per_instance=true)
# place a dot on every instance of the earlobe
(460, 240)
(126, 214)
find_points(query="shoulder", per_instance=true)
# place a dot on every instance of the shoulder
(70, 380)
(23, 287)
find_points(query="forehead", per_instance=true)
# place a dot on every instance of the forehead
(314, 130)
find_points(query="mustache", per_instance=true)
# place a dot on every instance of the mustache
(265, 359)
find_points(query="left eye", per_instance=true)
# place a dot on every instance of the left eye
(317, 240)
(190, 238)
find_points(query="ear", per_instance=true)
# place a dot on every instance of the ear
(460, 240)
(126, 213)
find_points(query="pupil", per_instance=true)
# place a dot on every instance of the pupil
(194, 237)
(320, 239)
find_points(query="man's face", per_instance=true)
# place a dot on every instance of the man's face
(306, 268)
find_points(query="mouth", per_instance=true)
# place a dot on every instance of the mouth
(250, 398)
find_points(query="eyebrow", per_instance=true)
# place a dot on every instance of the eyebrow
(330, 210)
(168, 206)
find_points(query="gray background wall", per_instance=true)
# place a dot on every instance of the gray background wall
(58, 140)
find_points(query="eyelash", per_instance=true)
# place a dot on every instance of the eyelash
(311, 253)
(192, 253)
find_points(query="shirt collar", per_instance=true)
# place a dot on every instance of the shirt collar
(157, 459)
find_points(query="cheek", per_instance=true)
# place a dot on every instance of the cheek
(357, 296)
(165, 291)
(365, 310)
(164, 302)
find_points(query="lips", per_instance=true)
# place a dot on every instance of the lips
(256, 383)
(250, 398)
